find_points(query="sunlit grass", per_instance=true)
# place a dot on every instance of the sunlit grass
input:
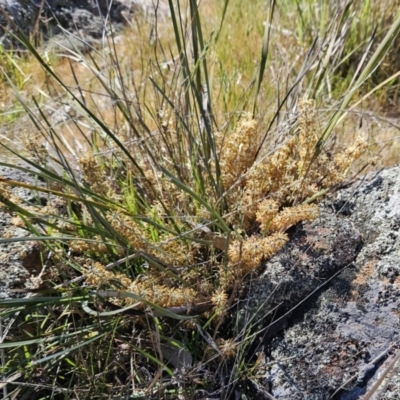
(140, 50)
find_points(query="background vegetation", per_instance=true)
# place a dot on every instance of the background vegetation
(176, 155)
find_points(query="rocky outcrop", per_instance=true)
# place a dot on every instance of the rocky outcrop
(88, 20)
(330, 300)
(18, 260)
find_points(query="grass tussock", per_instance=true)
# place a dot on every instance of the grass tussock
(173, 171)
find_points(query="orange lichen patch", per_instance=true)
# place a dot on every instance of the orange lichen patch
(317, 242)
(365, 273)
(395, 280)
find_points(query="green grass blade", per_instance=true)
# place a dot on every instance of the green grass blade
(264, 51)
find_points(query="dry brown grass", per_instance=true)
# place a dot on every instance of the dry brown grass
(238, 52)
(241, 41)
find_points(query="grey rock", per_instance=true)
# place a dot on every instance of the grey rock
(335, 294)
(18, 260)
(88, 19)
(315, 252)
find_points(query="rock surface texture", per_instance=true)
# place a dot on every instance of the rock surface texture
(19, 261)
(330, 299)
(88, 20)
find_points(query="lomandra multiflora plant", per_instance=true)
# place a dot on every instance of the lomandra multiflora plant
(146, 211)
(166, 212)
(263, 198)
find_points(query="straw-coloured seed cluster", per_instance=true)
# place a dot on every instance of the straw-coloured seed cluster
(263, 197)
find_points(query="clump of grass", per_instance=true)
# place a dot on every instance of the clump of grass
(161, 211)
(366, 24)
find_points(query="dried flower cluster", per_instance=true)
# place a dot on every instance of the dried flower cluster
(154, 218)
(263, 197)
(94, 176)
(292, 173)
(238, 151)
